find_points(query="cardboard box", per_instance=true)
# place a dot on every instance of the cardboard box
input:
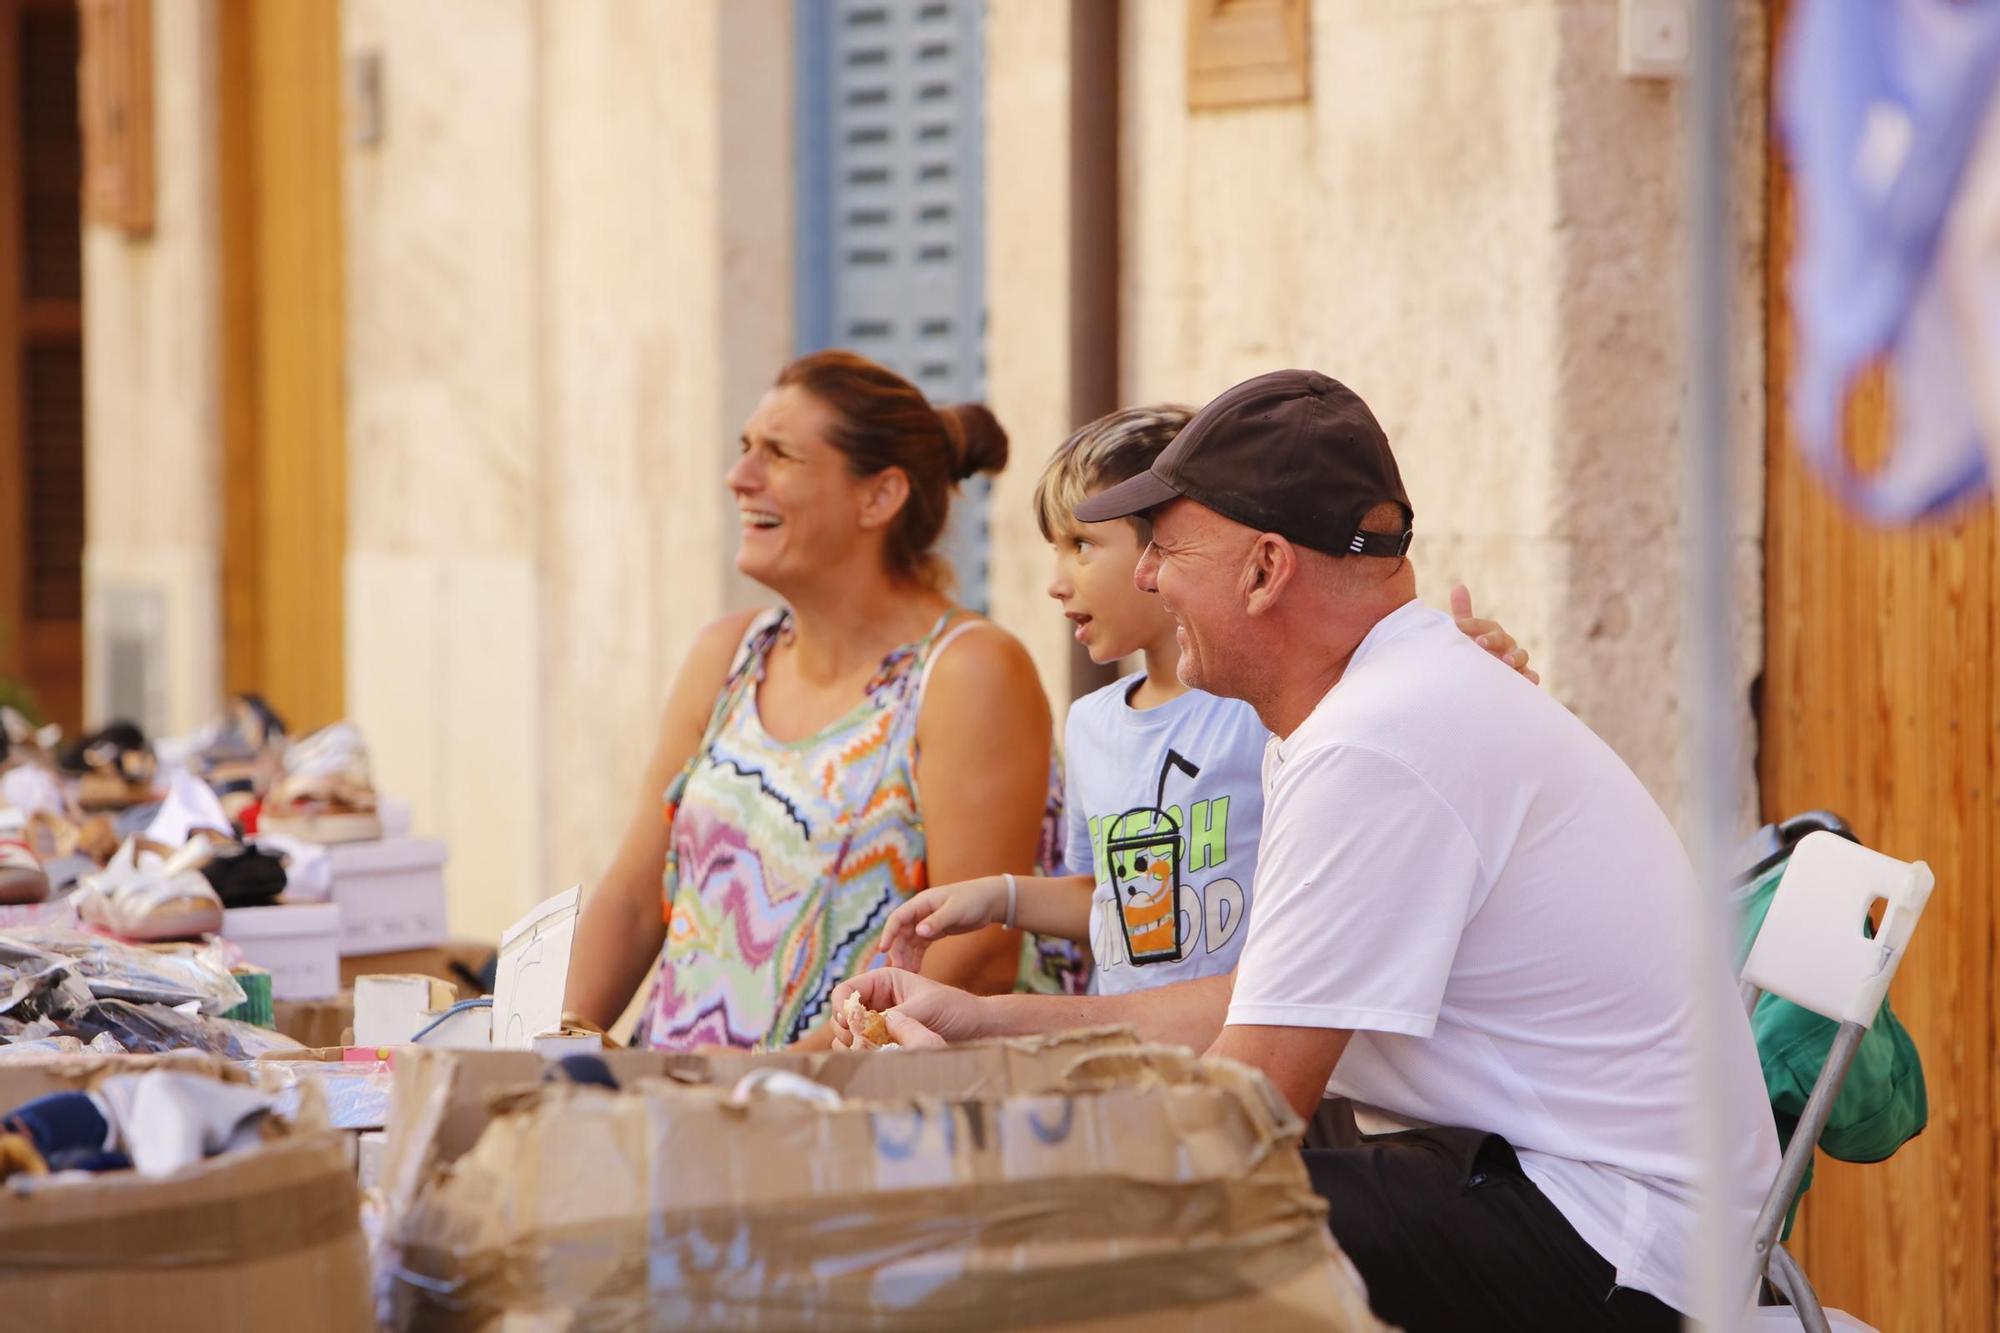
(1079, 1180)
(390, 893)
(297, 943)
(390, 1008)
(328, 1022)
(435, 962)
(268, 1238)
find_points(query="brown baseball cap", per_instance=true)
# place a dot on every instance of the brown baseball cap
(1292, 452)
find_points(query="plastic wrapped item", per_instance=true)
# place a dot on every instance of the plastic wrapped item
(253, 1041)
(27, 973)
(114, 970)
(41, 1046)
(357, 1092)
(152, 1028)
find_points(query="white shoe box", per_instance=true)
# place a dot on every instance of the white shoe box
(297, 943)
(390, 894)
(56, 912)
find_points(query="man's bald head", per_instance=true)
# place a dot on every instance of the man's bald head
(1262, 617)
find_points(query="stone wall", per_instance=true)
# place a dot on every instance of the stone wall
(1475, 223)
(152, 400)
(561, 305)
(569, 277)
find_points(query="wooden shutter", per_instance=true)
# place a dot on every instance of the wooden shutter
(891, 244)
(117, 104)
(1243, 52)
(41, 343)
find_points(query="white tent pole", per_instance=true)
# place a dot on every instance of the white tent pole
(1722, 1269)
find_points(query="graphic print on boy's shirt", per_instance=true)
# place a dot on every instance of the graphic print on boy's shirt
(1138, 853)
(1159, 796)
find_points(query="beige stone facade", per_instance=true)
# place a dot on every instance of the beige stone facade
(152, 355)
(569, 275)
(1476, 223)
(565, 292)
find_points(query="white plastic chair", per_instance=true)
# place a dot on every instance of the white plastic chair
(1812, 951)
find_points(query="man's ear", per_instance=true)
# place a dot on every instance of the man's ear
(883, 496)
(1270, 569)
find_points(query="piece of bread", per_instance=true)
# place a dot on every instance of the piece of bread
(870, 1029)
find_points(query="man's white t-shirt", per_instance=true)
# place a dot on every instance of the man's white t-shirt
(1460, 872)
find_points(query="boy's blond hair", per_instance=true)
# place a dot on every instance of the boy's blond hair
(1110, 449)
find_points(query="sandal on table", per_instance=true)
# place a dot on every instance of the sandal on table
(145, 896)
(118, 769)
(22, 879)
(326, 795)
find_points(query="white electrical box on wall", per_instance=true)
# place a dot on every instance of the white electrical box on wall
(1655, 38)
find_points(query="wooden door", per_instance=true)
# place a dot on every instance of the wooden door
(284, 441)
(1881, 701)
(41, 358)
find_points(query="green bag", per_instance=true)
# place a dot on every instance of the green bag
(1882, 1103)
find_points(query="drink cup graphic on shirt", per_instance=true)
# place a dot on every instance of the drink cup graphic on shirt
(1144, 847)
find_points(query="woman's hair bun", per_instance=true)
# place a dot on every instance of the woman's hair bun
(977, 442)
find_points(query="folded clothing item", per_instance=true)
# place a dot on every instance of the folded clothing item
(308, 866)
(245, 876)
(589, 1070)
(166, 1119)
(155, 1122)
(70, 1131)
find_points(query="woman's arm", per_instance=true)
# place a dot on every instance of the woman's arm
(622, 928)
(983, 743)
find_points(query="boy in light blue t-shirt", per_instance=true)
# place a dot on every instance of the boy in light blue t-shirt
(1163, 784)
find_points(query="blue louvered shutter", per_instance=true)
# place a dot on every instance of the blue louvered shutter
(891, 219)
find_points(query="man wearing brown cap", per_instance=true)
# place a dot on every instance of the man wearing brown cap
(1468, 912)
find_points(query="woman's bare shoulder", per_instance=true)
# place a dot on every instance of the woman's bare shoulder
(983, 662)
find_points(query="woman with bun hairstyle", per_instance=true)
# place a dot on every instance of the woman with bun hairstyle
(823, 760)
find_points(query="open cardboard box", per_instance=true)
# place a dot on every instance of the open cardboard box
(265, 1238)
(388, 1010)
(391, 1008)
(316, 1022)
(1080, 1180)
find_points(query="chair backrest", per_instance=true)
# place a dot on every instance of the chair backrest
(1811, 949)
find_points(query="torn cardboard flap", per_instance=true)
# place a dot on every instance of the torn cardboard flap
(443, 1099)
(1088, 1181)
(533, 971)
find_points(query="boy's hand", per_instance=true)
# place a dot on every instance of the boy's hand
(948, 909)
(919, 1012)
(1490, 635)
